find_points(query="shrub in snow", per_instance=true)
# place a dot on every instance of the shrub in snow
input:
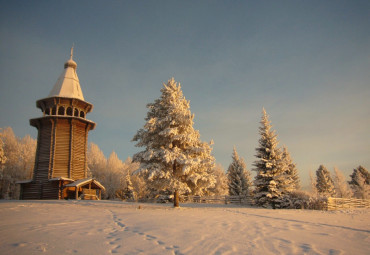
(271, 181)
(174, 157)
(302, 200)
(324, 183)
(296, 200)
(318, 203)
(239, 182)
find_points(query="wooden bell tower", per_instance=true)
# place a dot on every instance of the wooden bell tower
(62, 138)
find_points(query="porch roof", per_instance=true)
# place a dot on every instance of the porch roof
(83, 182)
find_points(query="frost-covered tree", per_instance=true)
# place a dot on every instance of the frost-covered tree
(271, 180)
(360, 182)
(140, 189)
(20, 158)
(115, 175)
(238, 178)
(174, 158)
(2, 154)
(324, 182)
(221, 184)
(2, 158)
(96, 161)
(342, 188)
(293, 181)
(313, 184)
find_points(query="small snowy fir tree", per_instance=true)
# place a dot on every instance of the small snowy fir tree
(129, 190)
(324, 182)
(174, 158)
(271, 180)
(237, 176)
(292, 172)
(360, 182)
(342, 188)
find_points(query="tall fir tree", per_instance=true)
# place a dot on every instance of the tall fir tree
(360, 182)
(174, 158)
(324, 182)
(293, 182)
(271, 180)
(238, 177)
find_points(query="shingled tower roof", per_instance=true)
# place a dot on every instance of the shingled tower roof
(68, 84)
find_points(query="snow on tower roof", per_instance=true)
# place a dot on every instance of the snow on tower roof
(68, 84)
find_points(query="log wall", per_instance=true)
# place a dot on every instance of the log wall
(79, 150)
(43, 158)
(62, 149)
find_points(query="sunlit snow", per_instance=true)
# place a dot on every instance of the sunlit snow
(105, 227)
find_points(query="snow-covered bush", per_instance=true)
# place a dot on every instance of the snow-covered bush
(318, 203)
(301, 200)
(296, 200)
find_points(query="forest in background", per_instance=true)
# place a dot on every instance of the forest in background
(174, 162)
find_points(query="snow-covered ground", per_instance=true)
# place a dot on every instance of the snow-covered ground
(104, 227)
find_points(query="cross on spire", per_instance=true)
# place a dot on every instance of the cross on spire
(72, 51)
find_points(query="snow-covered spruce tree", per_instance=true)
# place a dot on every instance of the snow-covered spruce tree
(271, 179)
(174, 158)
(291, 172)
(238, 178)
(324, 182)
(360, 182)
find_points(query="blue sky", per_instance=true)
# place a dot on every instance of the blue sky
(306, 62)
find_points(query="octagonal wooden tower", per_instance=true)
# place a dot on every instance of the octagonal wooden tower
(62, 142)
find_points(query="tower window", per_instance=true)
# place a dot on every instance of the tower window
(69, 111)
(47, 111)
(61, 110)
(82, 114)
(76, 112)
(54, 111)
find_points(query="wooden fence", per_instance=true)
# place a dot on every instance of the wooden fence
(220, 200)
(343, 203)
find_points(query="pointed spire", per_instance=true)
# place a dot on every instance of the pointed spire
(68, 84)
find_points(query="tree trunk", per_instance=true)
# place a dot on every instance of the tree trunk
(176, 199)
(176, 193)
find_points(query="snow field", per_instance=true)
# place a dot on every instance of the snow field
(106, 227)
